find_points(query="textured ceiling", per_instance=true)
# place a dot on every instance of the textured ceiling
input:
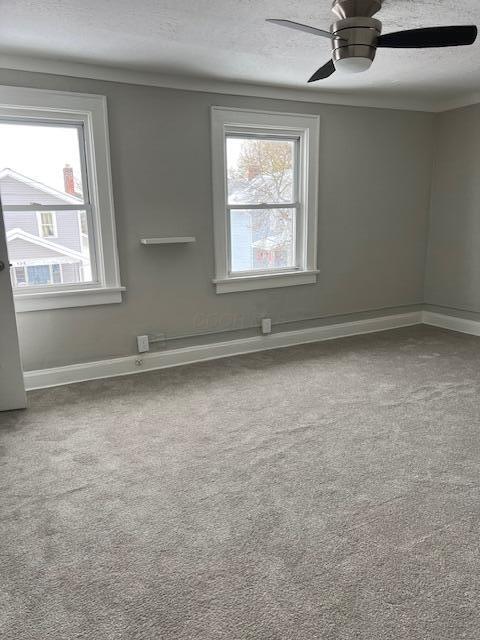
(229, 39)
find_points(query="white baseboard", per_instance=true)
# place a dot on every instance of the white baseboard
(174, 357)
(454, 323)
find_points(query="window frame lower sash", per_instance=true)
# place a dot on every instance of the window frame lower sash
(90, 111)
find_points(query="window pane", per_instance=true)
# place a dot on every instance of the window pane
(39, 274)
(20, 276)
(65, 256)
(40, 164)
(262, 239)
(260, 170)
(47, 224)
(56, 274)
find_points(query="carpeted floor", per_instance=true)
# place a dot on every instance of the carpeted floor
(325, 491)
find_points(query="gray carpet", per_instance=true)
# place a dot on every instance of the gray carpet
(326, 491)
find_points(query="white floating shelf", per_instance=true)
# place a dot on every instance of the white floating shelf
(177, 240)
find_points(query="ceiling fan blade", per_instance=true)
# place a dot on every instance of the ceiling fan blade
(304, 27)
(429, 37)
(324, 72)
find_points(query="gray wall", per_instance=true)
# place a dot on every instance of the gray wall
(374, 195)
(453, 264)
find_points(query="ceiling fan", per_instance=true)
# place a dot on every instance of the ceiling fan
(356, 36)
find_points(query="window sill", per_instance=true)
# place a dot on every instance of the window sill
(272, 281)
(43, 300)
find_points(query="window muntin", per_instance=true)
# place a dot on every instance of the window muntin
(43, 175)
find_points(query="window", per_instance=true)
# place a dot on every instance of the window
(47, 223)
(265, 175)
(57, 203)
(19, 278)
(36, 274)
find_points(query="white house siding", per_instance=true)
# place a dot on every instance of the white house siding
(25, 220)
(68, 234)
(19, 250)
(68, 230)
(16, 190)
(71, 272)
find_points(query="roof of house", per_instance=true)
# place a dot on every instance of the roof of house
(39, 186)
(20, 234)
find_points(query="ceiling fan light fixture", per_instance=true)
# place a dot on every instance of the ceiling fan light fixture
(352, 65)
(356, 36)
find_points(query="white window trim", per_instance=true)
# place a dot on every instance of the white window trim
(40, 224)
(226, 120)
(91, 111)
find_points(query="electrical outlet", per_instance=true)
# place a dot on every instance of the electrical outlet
(143, 344)
(266, 326)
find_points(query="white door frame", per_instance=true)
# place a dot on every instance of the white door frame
(12, 387)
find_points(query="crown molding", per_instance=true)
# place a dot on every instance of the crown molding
(146, 78)
(459, 102)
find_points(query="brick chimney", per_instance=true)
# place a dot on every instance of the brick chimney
(68, 181)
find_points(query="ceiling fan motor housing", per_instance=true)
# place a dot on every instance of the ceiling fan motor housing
(357, 33)
(356, 8)
(357, 38)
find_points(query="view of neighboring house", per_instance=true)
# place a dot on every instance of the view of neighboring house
(261, 238)
(44, 247)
